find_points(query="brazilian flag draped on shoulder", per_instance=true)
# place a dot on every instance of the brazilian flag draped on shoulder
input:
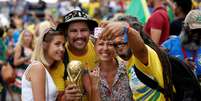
(139, 9)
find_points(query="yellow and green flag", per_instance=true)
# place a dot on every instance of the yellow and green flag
(139, 9)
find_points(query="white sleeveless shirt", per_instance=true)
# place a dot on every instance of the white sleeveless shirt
(50, 90)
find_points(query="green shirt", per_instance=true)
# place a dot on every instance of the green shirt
(2, 51)
(170, 13)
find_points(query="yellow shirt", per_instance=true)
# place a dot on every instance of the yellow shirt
(92, 7)
(141, 92)
(89, 60)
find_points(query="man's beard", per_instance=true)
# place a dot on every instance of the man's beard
(191, 46)
(189, 43)
(127, 55)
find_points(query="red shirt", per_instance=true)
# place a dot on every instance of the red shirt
(159, 20)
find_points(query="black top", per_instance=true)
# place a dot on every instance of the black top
(176, 26)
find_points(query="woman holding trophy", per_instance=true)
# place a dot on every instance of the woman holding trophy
(37, 84)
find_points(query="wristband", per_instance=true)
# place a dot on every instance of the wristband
(125, 31)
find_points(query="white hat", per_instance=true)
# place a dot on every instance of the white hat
(193, 19)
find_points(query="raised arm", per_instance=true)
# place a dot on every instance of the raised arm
(112, 30)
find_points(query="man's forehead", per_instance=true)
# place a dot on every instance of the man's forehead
(78, 23)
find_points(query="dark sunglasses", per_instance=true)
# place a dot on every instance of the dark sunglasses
(120, 45)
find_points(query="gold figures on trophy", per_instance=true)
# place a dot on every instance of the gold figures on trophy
(75, 70)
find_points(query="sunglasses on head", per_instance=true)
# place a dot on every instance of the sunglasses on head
(47, 31)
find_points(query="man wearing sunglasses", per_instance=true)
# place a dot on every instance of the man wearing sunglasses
(125, 52)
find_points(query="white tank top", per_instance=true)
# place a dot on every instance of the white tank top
(50, 90)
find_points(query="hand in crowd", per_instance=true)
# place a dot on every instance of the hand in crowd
(95, 81)
(112, 29)
(72, 93)
(27, 59)
(190, 63)
(8, 73)
(95, 78)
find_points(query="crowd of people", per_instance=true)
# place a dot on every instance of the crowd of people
(123, 61)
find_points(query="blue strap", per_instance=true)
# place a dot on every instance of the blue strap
(125, 31)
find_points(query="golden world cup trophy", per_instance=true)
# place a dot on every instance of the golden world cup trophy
(75, 71)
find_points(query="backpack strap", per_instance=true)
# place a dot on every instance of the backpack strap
(65, 62)
(148, 81)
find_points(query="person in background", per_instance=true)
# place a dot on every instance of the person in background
(158, 25)
(22, 57)
(187, 45)
(37, 84)
(181, 10)
(17, 25)
(8, 39)
(2, 62)
(2, 47)
(150, 5)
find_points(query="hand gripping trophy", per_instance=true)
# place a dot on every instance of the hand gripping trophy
(75, 71)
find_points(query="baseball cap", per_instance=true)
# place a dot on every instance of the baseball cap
(77, 15)
(193, 19)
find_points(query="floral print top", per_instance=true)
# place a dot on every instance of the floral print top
(120, 88)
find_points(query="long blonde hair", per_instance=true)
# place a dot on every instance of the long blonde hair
(21, 40)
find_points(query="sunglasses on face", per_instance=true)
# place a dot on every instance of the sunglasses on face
(120, 45)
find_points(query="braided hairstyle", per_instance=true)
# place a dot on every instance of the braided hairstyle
(163, 56)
